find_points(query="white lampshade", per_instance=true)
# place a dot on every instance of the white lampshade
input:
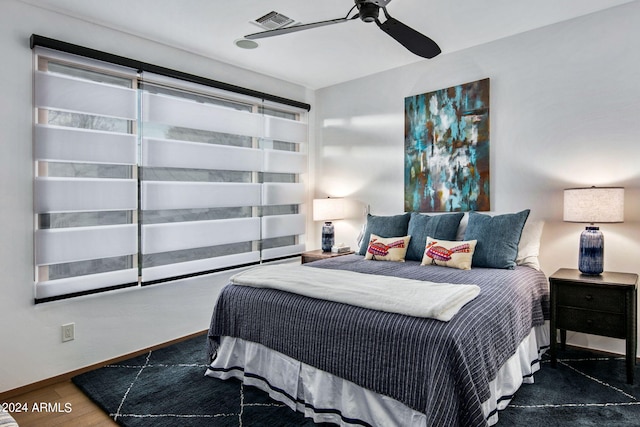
(328, 209)
(594, 204)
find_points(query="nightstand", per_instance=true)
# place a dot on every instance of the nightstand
(601, 305)
(316, 255)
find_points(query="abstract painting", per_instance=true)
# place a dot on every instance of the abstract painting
(446, 141)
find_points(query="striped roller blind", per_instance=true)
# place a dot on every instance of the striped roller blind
(85, 187)
(142, 178)
(203, 190)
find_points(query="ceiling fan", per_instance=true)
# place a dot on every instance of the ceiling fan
(369, 11)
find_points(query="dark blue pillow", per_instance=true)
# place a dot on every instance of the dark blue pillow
(443, 227)
(498, 237)
(384, 226)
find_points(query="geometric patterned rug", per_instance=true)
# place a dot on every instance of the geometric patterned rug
(585, 389)
(167, 387)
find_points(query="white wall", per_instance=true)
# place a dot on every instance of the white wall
(107, 325)
(565, 112)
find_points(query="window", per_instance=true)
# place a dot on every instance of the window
(142, 178)
(85, 189)
(208, 196)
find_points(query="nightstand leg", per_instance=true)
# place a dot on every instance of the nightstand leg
(554, 346)
(631, 361)
(632, 334)
(552, 325)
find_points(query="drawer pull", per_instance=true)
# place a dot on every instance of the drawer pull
(589, 322)
(588, 297)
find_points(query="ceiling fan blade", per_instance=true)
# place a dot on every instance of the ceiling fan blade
(416, 42)
(294, 28)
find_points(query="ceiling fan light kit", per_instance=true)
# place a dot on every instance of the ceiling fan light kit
(369, 11)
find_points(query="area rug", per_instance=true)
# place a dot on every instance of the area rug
(167, 387)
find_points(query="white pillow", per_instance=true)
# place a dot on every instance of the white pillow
(529, 246)
(462, 227)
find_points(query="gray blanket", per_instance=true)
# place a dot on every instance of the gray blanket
(441, 369)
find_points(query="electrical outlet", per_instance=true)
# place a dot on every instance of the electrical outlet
(68, 332)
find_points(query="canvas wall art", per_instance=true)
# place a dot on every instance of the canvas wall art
(447, 149)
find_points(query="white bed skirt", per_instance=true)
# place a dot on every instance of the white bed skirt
(324, 397)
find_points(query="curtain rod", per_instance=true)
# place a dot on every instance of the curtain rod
(42, 41)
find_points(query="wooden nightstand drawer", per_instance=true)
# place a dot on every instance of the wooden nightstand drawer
(591, 297)
(592, 322)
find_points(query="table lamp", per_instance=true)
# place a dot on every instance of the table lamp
(593, 205)
(327, 210)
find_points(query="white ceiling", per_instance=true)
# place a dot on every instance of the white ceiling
(322, 56)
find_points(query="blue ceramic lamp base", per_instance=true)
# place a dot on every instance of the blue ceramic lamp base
(328, 238)
(591, 259)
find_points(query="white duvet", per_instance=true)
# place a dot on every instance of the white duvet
(385, 293)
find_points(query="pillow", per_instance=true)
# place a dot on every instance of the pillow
(437, 226)
(360, 236)
(446, 253)
(384, 226)
(462, 228)
(387, 249)
(529, 246)
(498, 238)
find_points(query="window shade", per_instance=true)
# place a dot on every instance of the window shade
(284, 130)
(205, 180)
(77, 95)
(159, 195)
(195, 115)
(279, 193)
(84, 194)
(85, 189)
(190, 114)
(54, 143)
(279, 161)
(168, 237)
(144, 178)
(67, 245)
(195, 155)
(282, 225)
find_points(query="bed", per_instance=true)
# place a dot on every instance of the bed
(355, 365)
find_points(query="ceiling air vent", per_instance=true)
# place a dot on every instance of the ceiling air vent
(272, 20)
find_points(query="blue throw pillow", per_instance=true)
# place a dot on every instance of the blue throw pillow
(384, 226)
(498, 237)
(443, 227)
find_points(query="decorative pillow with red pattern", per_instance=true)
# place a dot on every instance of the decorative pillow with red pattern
(387, 249)
(456, 254)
